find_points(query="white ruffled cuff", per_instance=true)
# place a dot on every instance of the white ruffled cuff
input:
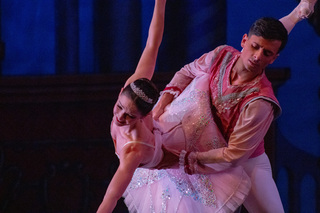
(173, 90)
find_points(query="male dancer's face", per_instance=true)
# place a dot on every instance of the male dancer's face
(258, 53)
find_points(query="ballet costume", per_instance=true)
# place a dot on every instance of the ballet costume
(187, 124)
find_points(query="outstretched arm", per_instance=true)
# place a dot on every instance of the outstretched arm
(129, 161)
(304, 10)
(147, 62)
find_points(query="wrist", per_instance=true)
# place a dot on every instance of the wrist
(199, 157)
(184, 162)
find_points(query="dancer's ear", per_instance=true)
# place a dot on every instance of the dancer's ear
(244, 40)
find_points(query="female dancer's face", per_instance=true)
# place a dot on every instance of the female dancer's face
(125, 112)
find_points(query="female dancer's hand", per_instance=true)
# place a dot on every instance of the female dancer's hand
(161, 105)
(306, 8)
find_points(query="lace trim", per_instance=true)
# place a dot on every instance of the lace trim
(175, 91)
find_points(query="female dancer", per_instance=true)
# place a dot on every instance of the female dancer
(138, 143)
(131, 127)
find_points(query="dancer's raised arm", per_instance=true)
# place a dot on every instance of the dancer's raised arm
(147, 62)
(302, 11)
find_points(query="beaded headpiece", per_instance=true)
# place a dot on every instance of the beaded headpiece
(140, 93)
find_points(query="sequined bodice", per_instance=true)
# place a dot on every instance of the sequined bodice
(192, 115)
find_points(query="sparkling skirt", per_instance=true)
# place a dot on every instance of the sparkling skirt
(172, 190)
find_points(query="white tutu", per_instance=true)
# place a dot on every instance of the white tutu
(172, 190)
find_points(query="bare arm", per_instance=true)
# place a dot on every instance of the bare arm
(129, 161)
(158, 110)
(147, 62)
(302, 11)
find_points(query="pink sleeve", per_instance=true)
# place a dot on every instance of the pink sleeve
(186, 74)
(252, 125)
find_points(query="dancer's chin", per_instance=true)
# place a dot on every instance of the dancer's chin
(253, 65)
(119, 123)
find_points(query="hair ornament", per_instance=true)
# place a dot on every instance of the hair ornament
(140, 93)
